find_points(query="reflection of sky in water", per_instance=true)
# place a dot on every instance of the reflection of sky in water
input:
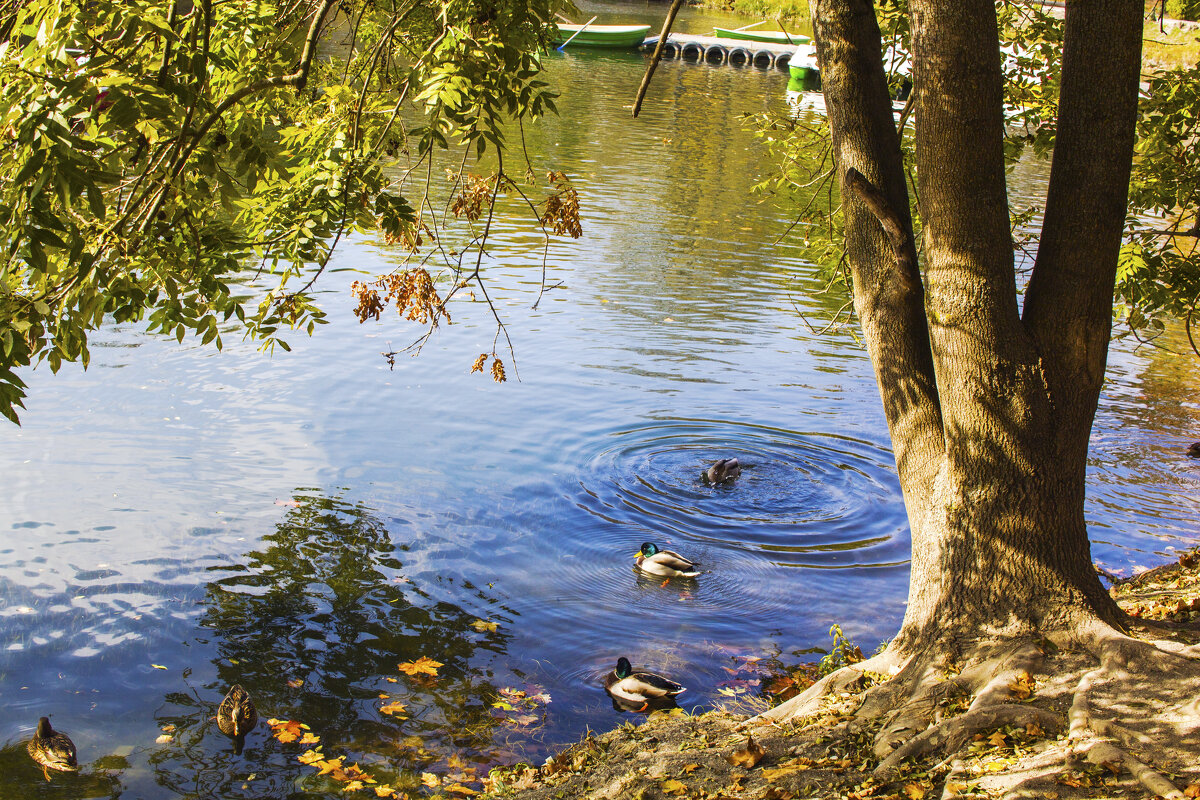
(154, 503)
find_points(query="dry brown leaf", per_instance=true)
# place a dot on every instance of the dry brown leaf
(1033, 729)
(997, 739)
(688, 769)
(748, 756)
(1022, 686)
(1193, 790)
(422, 666)
(780, 683)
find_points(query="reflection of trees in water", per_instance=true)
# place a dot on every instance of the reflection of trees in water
(312, 624)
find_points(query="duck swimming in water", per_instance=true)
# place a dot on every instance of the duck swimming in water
(638, 688)
(725, 469)
(237, 716)
(664, 562)
(1194, 450)
(52, 749)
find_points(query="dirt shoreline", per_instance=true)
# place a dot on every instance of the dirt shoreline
(706, 757)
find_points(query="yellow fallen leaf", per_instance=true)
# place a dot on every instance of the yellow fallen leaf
(158, 666)
(995, 766)
(672, 786)
(310, 757)
(688, 769)
(352, 786)
(914, 791)
(430, 780)
(330, 765)
(309, 738)
(482, 625)
(383, 790)
(422, 666)
(784, 769)
(954, 787)
(458, 788)
(455, 761)
(394, 708)
(296, 683)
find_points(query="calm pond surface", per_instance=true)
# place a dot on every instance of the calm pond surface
(177, 519)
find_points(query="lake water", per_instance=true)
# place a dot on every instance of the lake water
(178, 519)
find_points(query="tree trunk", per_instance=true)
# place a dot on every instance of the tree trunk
(989, 414)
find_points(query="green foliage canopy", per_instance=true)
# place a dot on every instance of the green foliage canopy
(1159, 274)
(193, 165)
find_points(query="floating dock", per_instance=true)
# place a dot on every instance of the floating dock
(738, 52)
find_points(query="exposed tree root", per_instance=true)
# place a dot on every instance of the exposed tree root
(1126, 702)
(951, 734)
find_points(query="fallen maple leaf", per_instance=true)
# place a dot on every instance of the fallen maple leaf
(383, 790)
(997, 739)
(352, 786)
(780, 684)
(329, 765)
(914, 791)
(482, 625)
(296, 683)
(422, 666)
(309, 738)
(1022, 686)
(688, 769)
(748, 756)
(395, 709)
(458, 788)
(672, 786)
(310, 757)
(430, 780)
(287, 730)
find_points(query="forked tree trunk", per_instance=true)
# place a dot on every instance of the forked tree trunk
(990, 413)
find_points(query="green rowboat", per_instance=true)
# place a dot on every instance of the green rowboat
(803, 75)
(771, 37)
(614, 36)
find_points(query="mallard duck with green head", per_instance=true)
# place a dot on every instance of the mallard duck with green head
(638, 688)
(237, 716)
(52, 749)
(664, 562)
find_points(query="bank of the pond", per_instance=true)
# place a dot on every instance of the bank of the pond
(717, 756)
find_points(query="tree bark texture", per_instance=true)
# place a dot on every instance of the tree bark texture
(989, 413)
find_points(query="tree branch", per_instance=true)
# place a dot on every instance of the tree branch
(894, 226)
